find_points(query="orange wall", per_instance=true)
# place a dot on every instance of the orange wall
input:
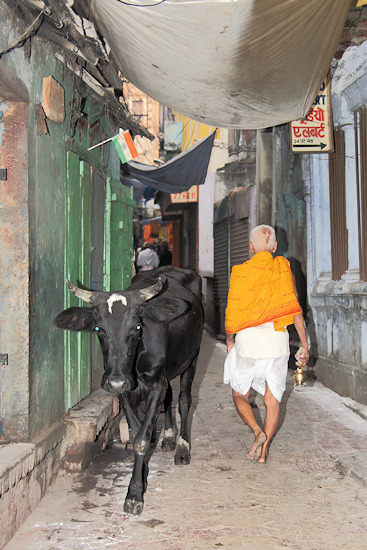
(146, 110)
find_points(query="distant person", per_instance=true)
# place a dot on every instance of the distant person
(147, 259)
(165, 256)
(157, 245)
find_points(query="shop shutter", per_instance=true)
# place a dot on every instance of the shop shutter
(221, 257)
(239, 241)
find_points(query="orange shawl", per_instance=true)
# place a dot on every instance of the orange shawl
(261, 290)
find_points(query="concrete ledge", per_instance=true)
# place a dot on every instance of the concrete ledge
(353, 466)
(346, 380)
(26, 471)
(18, 459)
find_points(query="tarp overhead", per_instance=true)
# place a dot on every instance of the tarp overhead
(178, 174)
(227, 63)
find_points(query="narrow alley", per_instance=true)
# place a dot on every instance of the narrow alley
(310, 495)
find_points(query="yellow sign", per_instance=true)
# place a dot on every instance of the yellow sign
(187, 196)
(314, 133)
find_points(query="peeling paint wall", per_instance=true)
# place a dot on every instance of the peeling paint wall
(289, 209)
(281, 200)
(14, 230)
(218, 159)
(32, 228)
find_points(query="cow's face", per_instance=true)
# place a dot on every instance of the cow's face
(116, 319)
(119, 329)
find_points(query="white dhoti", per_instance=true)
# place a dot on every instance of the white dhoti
(243, 373)
(268, 361)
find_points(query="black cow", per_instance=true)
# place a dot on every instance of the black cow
(149, 334)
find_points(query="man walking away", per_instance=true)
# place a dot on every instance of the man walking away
(262, 302)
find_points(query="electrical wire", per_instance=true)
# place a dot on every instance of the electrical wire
(192, 133)
(140, 5)
(32, 29)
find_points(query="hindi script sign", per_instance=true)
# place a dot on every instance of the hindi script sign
(187, 196)
(314, 134)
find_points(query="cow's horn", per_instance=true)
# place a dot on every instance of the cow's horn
(152, 291)
(84, 295)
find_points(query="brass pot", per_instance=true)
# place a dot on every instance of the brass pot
(299, 376)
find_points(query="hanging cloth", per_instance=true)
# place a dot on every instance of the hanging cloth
(179, 173)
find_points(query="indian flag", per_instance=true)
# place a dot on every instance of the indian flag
(125, 146)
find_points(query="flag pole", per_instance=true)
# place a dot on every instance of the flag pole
(100, 143)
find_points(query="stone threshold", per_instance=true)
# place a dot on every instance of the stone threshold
(28, 469)
(89, 427)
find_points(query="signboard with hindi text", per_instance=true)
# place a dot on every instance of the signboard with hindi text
(314, 134)
(187, 196)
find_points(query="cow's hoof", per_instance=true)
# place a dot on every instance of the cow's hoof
(182, 455)
(133, 506)
(168, 444)
(182, 458)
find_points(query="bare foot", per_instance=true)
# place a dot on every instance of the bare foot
(262, 457)
(253, 453)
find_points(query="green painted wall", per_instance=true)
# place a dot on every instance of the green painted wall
(47, 189)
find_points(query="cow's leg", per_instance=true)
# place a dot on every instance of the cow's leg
(131, 416)
(134, 498)
(169, 437)
(182, 455)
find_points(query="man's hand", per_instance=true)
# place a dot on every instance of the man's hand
(303, 357)
(300, 328)
(230, 342)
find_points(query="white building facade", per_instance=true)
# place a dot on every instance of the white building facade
(336, 197)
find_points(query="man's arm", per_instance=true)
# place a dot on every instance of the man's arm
(230, 341)
(299, 324)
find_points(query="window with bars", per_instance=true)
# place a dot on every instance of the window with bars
(338, 223)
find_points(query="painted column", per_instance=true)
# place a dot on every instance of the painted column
(319, 166)
(206, 239)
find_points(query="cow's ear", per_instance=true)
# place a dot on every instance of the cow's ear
(75, 318)
(165, 309)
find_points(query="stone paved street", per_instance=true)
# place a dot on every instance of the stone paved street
(311, 494)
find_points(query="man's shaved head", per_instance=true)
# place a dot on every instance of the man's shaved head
(263, 238)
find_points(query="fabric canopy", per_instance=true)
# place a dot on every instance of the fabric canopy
(178, 174)
(227, 63)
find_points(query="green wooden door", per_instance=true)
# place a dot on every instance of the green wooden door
(78, 270)
(118, 235)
